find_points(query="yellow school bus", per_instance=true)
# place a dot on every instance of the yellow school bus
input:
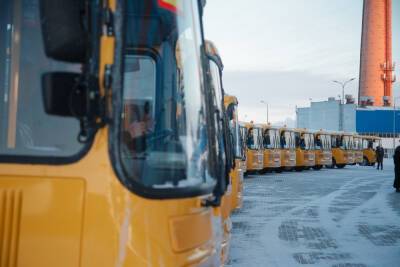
(288, 148)
(231, 106)
(369, 143)
(108, 153)
(271, 145)
(254, 155)
(339, 155)
(305, 155)
(358, 149)
(225, 140)
(323, 149)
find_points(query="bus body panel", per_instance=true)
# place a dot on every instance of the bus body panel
(271, 159)
(358, 156)
(237, 185)
(309, 158)
(100, 223)
(299, 157)
(339, 156)
(288, 158)
(350, 156)
(323, 157)
(370, 155)
(255, 160)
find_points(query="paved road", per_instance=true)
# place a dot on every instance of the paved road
(334, 218)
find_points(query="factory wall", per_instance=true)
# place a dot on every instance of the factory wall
(378, 121)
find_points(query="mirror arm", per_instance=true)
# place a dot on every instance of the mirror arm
(213, 201)
(95, 116)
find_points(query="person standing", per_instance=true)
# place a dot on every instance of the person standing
(380, 152)
(396, 159)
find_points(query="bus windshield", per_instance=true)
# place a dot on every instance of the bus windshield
(287, 140)
(309, 141)
(163, 134)
(232, 111)
(254, 138)
(271, 138)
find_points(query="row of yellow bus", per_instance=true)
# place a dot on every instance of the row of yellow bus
(118, 145)
(270, 148)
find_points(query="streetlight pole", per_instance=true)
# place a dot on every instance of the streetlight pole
(263, 102)
(343, 85)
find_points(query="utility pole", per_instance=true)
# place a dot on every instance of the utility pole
(343, 85)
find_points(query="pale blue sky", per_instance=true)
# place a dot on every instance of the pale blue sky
(288, 51)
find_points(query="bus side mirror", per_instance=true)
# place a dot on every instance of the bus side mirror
(63, 29)
(63, 95)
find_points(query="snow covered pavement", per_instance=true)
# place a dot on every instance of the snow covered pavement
(334, 218)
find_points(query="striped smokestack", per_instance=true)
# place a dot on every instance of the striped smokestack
(376, 66)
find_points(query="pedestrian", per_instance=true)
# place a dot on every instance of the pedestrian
(379, 152)
(396, 159)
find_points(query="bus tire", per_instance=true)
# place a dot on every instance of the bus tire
(341, 166)
(299, 169)
(332, 166)
(365, 162)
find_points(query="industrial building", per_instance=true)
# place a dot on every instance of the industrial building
(329, 115)
(332, 115)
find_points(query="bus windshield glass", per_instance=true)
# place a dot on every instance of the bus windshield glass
(26, 130)
(288, 140)
(347, 142)
(309, 141)
(234, 127)
(243, 139)
(254, 138)
(274, 138)
(163, 134)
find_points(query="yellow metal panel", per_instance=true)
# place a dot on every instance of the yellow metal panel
(299, 158)
(339, 155)
(237, 185)
(190, 231)
(255, 160)
(41, 227)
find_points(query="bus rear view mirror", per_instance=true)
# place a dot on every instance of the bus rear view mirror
(63, 29)
(63, 95)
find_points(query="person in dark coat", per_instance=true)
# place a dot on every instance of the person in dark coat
(379, 156)
(396, 159)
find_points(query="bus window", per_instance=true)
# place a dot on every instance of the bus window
(277, 138)
(235, 129)
(26, 130)
(163, 134)
(267, 139)
(253, 138)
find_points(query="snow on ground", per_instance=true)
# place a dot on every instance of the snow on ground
(334, 218)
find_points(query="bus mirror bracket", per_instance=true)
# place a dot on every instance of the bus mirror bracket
(69, 94)
(63, 95)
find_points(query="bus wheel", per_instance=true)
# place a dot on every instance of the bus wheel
(341, 166)
(299, 169)
(332, 165)
(365, 162)
(279, 170)
(317, 167)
